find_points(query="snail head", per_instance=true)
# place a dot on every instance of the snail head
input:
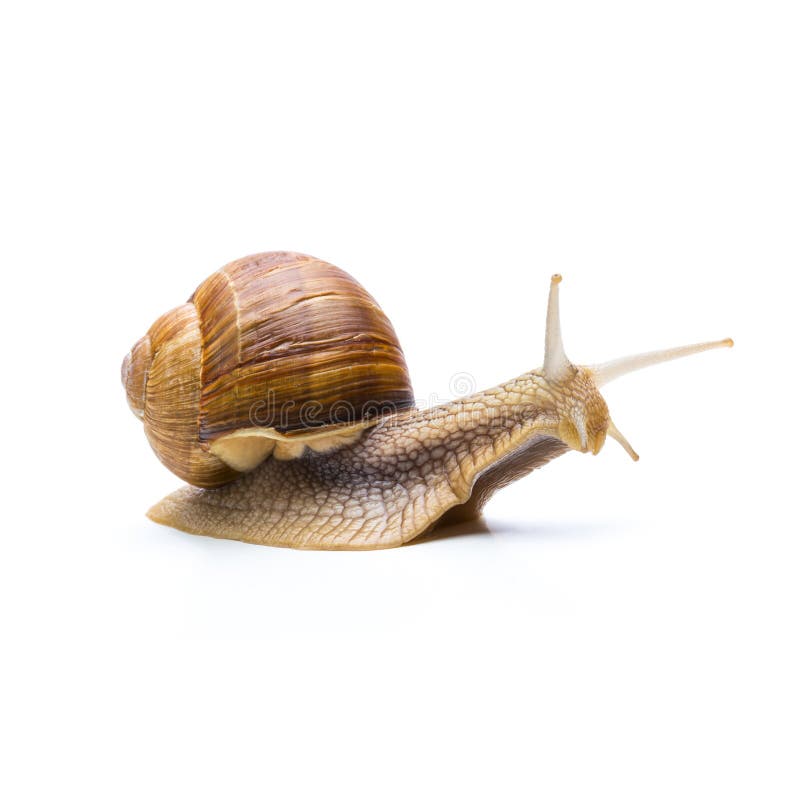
(581, 417)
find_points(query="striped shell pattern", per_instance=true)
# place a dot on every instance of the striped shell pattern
(273, 355)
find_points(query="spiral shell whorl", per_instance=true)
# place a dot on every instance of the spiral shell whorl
(134, 374)
(161, 376)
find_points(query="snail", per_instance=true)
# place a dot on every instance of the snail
(280, 391)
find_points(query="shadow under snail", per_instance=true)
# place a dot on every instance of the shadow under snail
(280, 391)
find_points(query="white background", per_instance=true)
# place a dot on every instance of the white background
(617, 629)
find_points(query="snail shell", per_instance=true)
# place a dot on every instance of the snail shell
(273, 353)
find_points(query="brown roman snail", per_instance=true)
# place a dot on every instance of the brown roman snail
(281, 392)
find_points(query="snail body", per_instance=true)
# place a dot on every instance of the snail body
(379, 478)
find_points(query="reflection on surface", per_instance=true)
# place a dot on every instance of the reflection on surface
(498, 527)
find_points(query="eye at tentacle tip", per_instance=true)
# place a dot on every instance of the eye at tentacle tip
(556, 364)
(611, 370)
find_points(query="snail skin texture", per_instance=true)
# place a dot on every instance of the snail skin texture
(280, 391)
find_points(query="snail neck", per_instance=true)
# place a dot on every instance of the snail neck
(570, 410)
(484, 418)
(468, 448)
